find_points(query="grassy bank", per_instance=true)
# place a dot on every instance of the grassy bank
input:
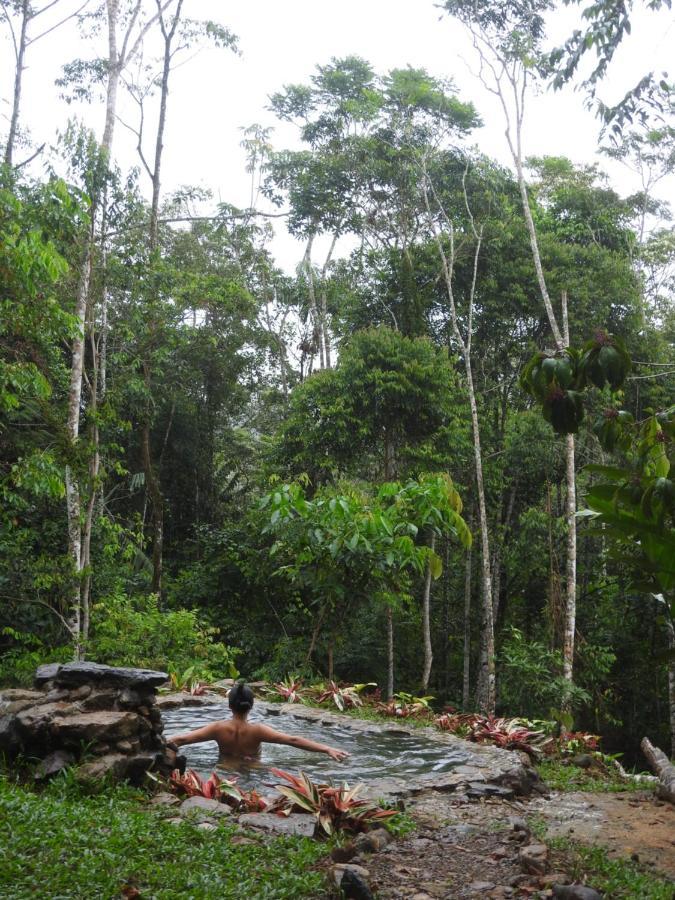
(58, 844)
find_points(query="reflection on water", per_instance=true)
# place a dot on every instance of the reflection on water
(372, 755)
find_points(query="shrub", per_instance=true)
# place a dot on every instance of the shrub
(134, 631)
(531, 683)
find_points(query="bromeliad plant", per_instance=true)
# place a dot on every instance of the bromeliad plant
(335, 808)
(241, 800)
(346, 696)
(510, 734)
(289, 690)
(405, 706)
(191, 784)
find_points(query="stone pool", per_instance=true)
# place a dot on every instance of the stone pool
(393, 760)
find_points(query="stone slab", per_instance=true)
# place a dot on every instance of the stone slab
(295, 824)
(203, 806)
(76, 673)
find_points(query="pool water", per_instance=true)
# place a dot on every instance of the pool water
(373, 753)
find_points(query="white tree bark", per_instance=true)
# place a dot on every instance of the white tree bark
(426, 622)
(486, 688)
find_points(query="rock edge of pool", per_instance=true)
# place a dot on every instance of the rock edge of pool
(487, 770)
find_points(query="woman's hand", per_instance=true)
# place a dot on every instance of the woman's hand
(338, 755)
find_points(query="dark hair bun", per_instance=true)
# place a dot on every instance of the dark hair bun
(240, 697)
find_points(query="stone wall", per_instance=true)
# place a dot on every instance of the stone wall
(103, 720)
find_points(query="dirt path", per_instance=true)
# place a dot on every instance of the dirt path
(630, 824)
(472, 849)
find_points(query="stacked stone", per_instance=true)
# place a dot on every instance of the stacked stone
(102, 719)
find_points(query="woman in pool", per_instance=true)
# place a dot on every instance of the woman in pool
(237, 738)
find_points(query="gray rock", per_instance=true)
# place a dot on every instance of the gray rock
(164, 798)
(46, 673)
(477, 789)
(296, 823)
(80, 693)
(583, 760)
(534, 859)
(481, 887)
(53, 764)
(352, 880)
(207, 826)
(373, 841)
(113, 765)
(575, 892)
(104, 726)
(202, 806)
(77, 673)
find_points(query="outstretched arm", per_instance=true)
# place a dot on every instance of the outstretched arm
(207, 733)
(270, 736)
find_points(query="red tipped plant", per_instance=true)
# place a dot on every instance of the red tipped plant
(241, 800)
(335, 808)
(191, 784)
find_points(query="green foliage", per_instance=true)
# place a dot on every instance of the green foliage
(104, 845)
(134, 631)
(531, 683)
(566, 776)
(18, 664)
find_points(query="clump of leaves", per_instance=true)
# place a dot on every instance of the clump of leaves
(509, 734)
(336, 808)
(347, 696)
(188, 682)
(405, 706)
(289, 690)
(241, 800)
(191, 784)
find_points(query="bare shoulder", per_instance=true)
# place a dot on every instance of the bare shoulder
(265, 733)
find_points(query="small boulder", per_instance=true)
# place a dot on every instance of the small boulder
(202, 806)
(76, 673)
(295, 824)
(352, 881)
(481, 887)
(575, 892)
(53, 764)
(373, 841)
(102, 726)
(534, 859)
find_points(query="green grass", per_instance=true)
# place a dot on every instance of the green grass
(615, 878)
(57, 845)
(573, 778)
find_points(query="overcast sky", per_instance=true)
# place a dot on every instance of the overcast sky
(216, 93)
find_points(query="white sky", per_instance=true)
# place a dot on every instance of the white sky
(216, 93)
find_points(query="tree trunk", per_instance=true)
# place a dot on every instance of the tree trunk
(486, 688)
(426, 619)
(152, 478)
(467, 632)
(571, 564)
(157, 502)
(661, 765)
(390, 653)
(671, 681)
(317, 330)
(18, 79)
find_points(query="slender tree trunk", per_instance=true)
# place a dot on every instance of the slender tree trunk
(152, 478)
(467, 632)
(18, 80)
(486, 688)
(671, 680)
(426, 622)
(317, 328)
(390, 653)
(325, 335)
